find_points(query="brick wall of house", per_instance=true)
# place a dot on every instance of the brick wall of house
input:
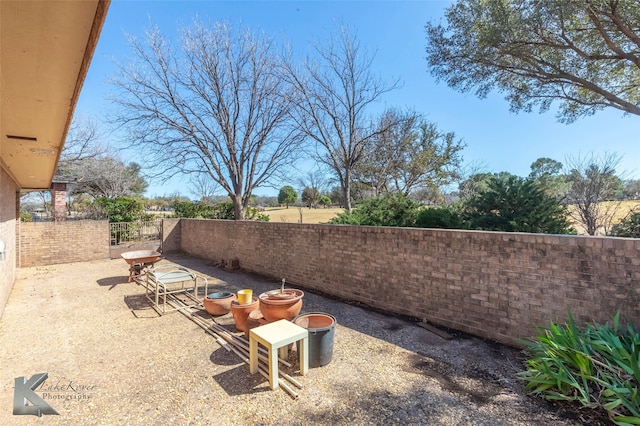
(491, 284)
(9, 202)
(49, 243)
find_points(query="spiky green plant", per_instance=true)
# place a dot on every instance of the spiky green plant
(597, 366)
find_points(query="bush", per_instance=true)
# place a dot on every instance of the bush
(191, 210)
(222, 211)
(628, 227)
(121, 209)
(512, 204)
(598, 366)
(255, 214)
(444, 217)
(25, 217)
(390, 210)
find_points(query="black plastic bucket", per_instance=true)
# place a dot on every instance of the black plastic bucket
(321, 331)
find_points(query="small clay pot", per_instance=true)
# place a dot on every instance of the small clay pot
(255, 319)
(241, 313)
(218, 303)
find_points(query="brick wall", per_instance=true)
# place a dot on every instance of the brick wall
(9, 202)
(170, 235)
(58, 201)
(48, 243)
(490, 284)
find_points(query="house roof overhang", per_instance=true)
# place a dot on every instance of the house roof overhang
(45, 51)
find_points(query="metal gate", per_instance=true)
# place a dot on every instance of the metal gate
(135, 235)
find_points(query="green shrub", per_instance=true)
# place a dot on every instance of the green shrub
(255, 214)
(188, 209)
(121, 209)
(390, 210)
(25, 217)
(597, 366)
(512, 204)
(628, 227)
(444, 217)
(222, 211)
(191, 210)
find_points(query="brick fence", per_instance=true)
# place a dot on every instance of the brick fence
(49, 243)
(490, 284)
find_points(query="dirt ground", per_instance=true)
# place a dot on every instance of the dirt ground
(111, 359)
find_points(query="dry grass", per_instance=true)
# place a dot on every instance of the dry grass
(292, 214)
(616, 209)
(322, 215)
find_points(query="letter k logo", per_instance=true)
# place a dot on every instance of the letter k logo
(24, 393)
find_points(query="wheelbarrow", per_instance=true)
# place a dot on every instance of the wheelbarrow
(139, 260)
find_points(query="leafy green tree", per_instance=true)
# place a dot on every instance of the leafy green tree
(547, 172)
(121, 209)
(628, 227)
(582, 53)
(513, 204)
(325, 201)
(287, 195)
(388, 210)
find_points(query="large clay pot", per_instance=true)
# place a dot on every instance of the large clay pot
(218, 303)
(276, 305)
(241, 313)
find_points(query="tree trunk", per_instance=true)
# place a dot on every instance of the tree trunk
(346, 193)
(239, 209)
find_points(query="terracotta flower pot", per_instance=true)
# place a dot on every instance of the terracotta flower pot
(241, 313)
(275, 305)
(255, 319)
(218, 303)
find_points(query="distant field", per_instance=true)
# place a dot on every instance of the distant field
(292, 214)
(320, 215)
(618, 211)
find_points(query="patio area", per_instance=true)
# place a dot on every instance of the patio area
(111, 359)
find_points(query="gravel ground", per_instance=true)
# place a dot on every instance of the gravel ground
(87, 327)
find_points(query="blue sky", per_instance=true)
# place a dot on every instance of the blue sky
(496, 138)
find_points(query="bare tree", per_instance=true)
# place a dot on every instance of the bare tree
(312, 186)
(592, 195)
(217, 106)
(409, 155)
(107, 177)
(84, 141)
(334, 91)
(202, 186)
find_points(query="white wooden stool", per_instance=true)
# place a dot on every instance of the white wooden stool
(277, 336)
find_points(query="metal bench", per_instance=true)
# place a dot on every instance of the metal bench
(173, 280)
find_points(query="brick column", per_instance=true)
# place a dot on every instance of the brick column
(58, 201)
